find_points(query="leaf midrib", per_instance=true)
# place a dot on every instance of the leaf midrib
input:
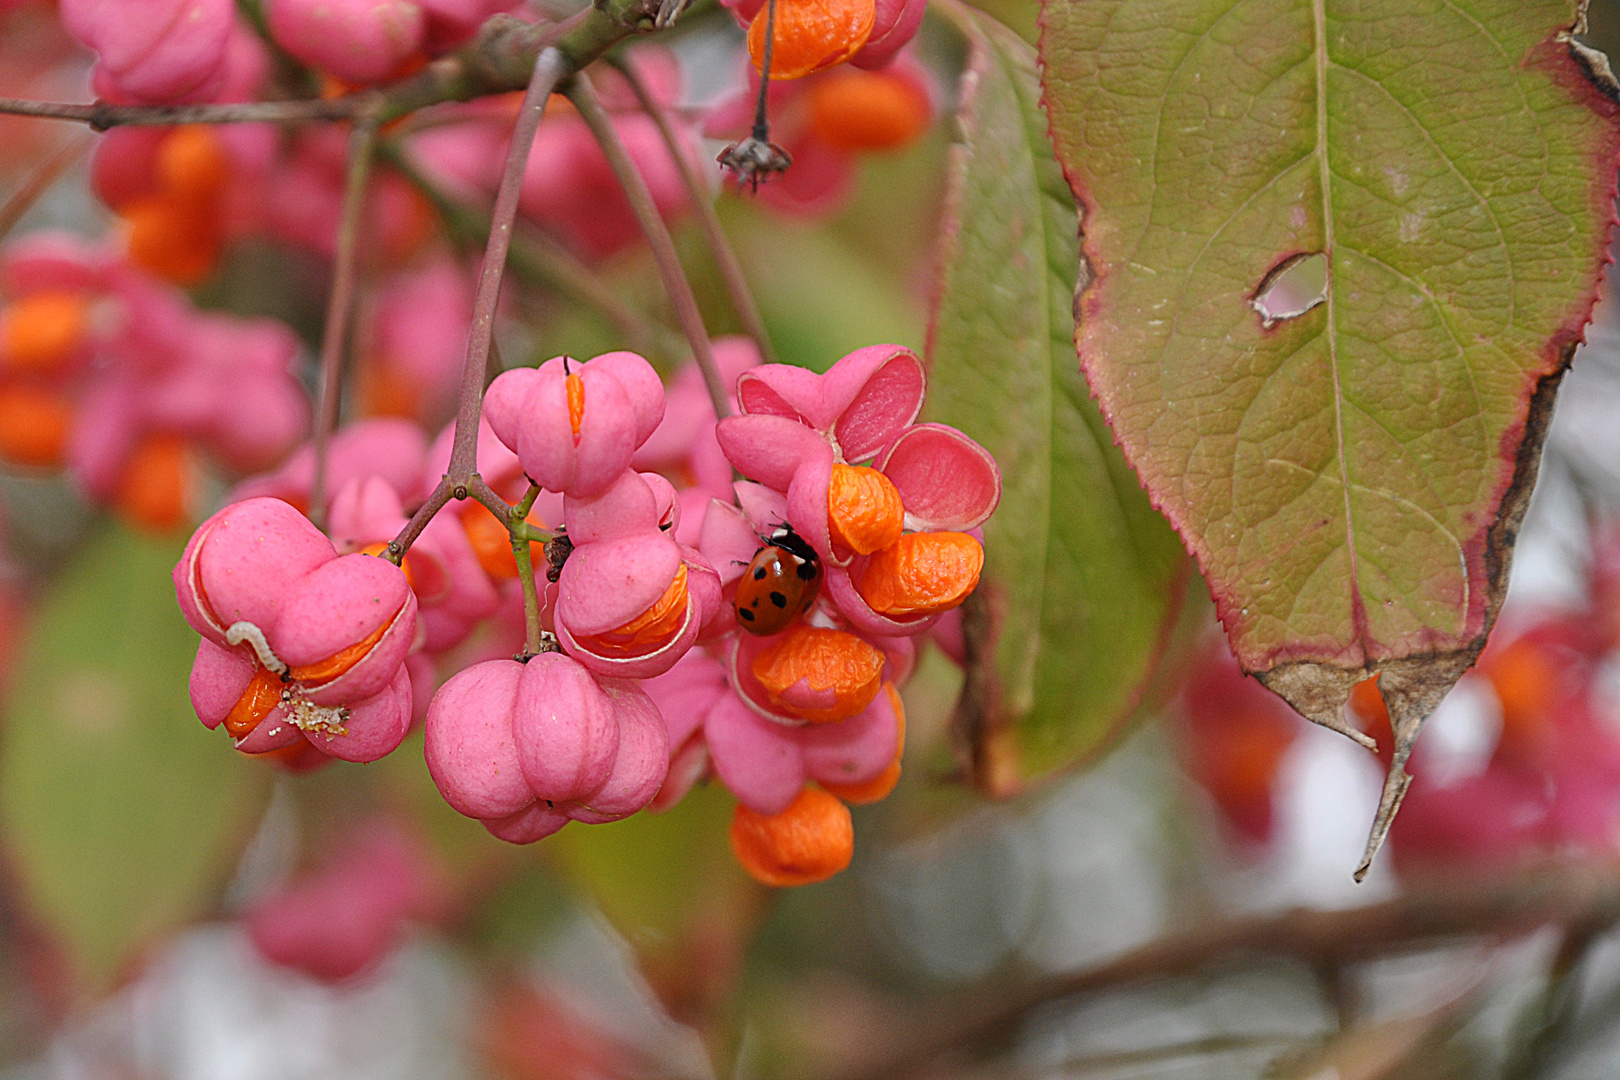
(1358, 612)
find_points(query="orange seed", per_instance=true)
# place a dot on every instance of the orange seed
(576, 403)
(191, 165)
(811, 35)
(322, 671)
(825, 659)
(652, 627)
(864, 513)
(258, 701)
(39, 333)
(810, 841)
(172, 238)
(855, 110)
(1524, 679)
(923, 574)
(492, 543)
(155, 490)
(34, 425)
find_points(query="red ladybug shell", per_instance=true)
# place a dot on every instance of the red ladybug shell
(779, 585)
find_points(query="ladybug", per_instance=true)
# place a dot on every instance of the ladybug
(780, 583)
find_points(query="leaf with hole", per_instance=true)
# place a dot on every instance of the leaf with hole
(1083, 578)
(1349, 465)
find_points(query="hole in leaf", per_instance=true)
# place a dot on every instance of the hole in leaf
(1296, 285)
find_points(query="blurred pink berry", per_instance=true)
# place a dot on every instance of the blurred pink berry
(389, 448)
(683, 445)
(349, 914)
(417, 341)
(358, 41)
(156, 51)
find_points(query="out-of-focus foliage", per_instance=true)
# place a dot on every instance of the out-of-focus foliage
(121, 815)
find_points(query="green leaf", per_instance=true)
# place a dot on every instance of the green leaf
(121, 811)
(1350, 473)
(1083, 579)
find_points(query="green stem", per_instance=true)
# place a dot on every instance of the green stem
(520, 529)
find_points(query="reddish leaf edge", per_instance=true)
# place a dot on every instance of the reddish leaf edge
(1413, 685)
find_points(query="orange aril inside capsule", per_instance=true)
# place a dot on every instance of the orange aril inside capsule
(652, 627)
(922, 574)
(380, 550)
(575, 388)
(322, 671)
(1525, 680)
(172, 238)
(810, 841)
(34, 425)
(879, 786)
(492, 543)
(864, 512)
(156, 486)
(191, 165)
(825, 659)
(855, 110)
(811, 35)
(39, 333)
(258, 701)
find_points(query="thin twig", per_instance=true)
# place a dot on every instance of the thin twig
(1110, 1060)
(538, 258)
(335, 334)
(1560, 892)
(549, 67)
(657, 234)
(762, 121)
(102, 115)
(39, 181)
(541, 258)
(499, 59)
(725, 259)
(399, 545)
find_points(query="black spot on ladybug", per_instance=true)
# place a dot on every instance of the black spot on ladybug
(785, 569)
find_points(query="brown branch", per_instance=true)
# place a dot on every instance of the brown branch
(725, 259)
(335, 333)
(498, 60)
(399, 545)
(549, 69)
(102, 115)
(1561, 893)
(657, 234)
